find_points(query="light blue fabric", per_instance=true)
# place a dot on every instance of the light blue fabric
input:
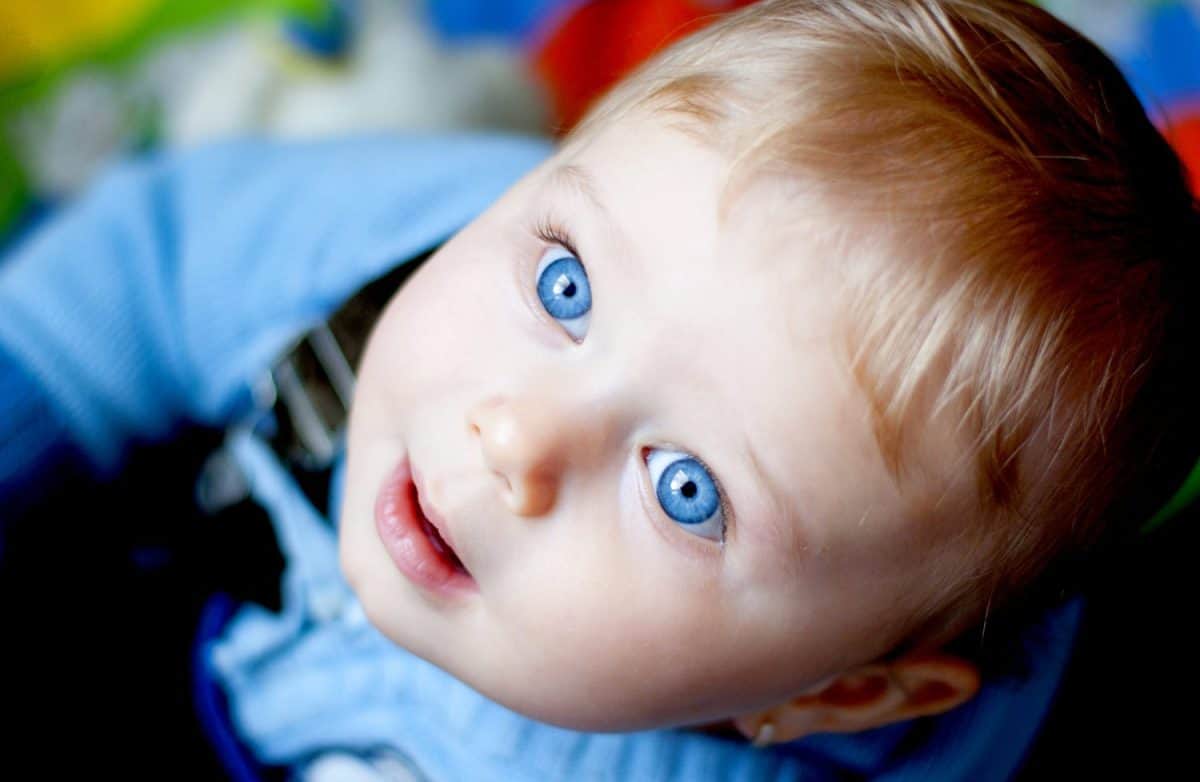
(162, 294)
(319, 677)
(177, 279)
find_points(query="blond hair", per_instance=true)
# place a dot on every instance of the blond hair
(1033, 224)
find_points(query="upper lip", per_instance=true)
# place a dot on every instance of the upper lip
(431, 515)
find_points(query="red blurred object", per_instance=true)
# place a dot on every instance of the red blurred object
(600, 41)
(1184, 134)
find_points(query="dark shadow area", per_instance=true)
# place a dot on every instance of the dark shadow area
(101, 588)
(1125, 708)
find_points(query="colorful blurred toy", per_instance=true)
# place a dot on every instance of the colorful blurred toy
(124, 76)
(84, 80)
(68, 100)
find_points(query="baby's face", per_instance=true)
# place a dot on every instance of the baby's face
(628, 418)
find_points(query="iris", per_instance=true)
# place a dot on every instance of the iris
(687, 493)
(563, 288)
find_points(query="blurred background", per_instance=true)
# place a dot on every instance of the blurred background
(85, 82)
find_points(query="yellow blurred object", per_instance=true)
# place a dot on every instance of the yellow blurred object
(34, 33)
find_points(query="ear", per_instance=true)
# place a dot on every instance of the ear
(867, 697)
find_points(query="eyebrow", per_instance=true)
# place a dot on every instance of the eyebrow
(576, 179)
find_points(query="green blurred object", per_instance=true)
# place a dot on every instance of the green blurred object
(1183, 498)
(14, 189)
(44, 71)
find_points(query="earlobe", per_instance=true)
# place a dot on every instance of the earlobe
(868, 696)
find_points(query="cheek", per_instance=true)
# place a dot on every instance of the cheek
(450, 325)
(615, 633)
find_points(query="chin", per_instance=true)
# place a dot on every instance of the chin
(580, 711)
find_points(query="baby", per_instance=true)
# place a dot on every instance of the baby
(819, 341)
(825, 347)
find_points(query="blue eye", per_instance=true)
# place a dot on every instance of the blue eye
(687, 493)
(563, 288)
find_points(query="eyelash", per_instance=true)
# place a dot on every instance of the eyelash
(550, 231)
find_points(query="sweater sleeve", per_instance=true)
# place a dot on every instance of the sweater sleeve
(155, 299)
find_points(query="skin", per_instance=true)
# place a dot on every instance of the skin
(710, 333)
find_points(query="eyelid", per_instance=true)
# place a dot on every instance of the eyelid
(722, 495)
(544, 229)
(551, 231)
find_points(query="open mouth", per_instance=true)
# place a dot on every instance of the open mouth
(436, 541)
(415, 538)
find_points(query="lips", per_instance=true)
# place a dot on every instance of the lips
(416, 539)
(433, 524)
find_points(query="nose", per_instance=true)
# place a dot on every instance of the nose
(529, 441)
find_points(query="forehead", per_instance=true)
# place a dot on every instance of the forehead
(737, 304)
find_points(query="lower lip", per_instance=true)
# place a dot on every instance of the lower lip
(400, 525)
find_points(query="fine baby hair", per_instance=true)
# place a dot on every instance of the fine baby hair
(1018, 243)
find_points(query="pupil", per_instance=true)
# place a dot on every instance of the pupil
(688, 490)
(564, 286)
